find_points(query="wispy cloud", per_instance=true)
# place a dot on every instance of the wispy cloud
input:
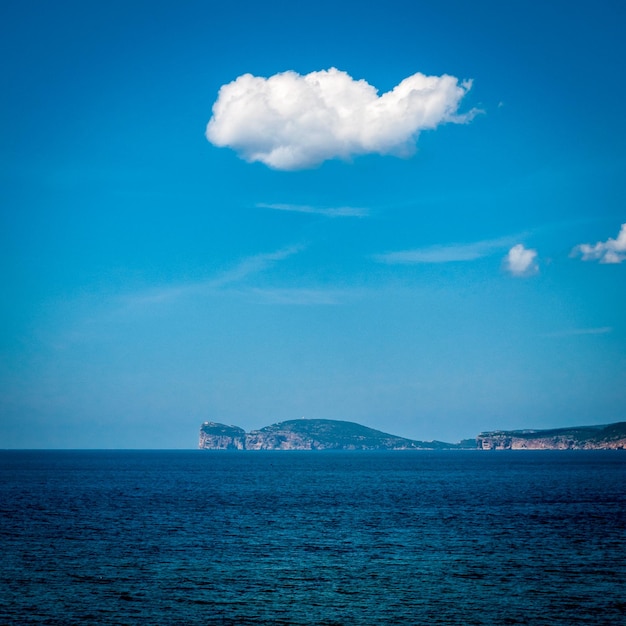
(444, 253)
(162, 295)
(246, 268)
(521, 261)
(345, 211)
(573, 332)
(301, 296)
(289, 121)
(253, 265)
(609, 251)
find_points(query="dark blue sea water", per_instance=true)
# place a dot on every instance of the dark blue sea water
(201, 537)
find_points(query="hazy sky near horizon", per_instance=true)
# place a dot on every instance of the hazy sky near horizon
(404, 214)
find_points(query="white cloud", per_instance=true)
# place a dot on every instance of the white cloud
(521, 261)
(609, 251)
(444, 254)
(289, 121)
(344, 211)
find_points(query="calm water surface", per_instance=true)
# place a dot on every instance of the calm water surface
(200, 537)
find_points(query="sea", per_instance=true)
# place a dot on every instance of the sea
(299, 537)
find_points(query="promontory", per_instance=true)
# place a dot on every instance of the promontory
(308, 434)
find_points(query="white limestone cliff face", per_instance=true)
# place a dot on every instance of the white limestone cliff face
(212, 442)
(215, 436)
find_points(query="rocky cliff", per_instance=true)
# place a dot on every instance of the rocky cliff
(604, 437)
(309, 434)
(215, 436)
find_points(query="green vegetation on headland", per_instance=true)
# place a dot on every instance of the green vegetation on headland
(323, 434)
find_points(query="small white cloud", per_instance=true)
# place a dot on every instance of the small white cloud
(289, 121)
(521, 261)
(609, 251)
(344, 211)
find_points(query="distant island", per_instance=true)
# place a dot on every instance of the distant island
(325, 434)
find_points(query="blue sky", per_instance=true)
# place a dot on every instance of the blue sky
(427, 275)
